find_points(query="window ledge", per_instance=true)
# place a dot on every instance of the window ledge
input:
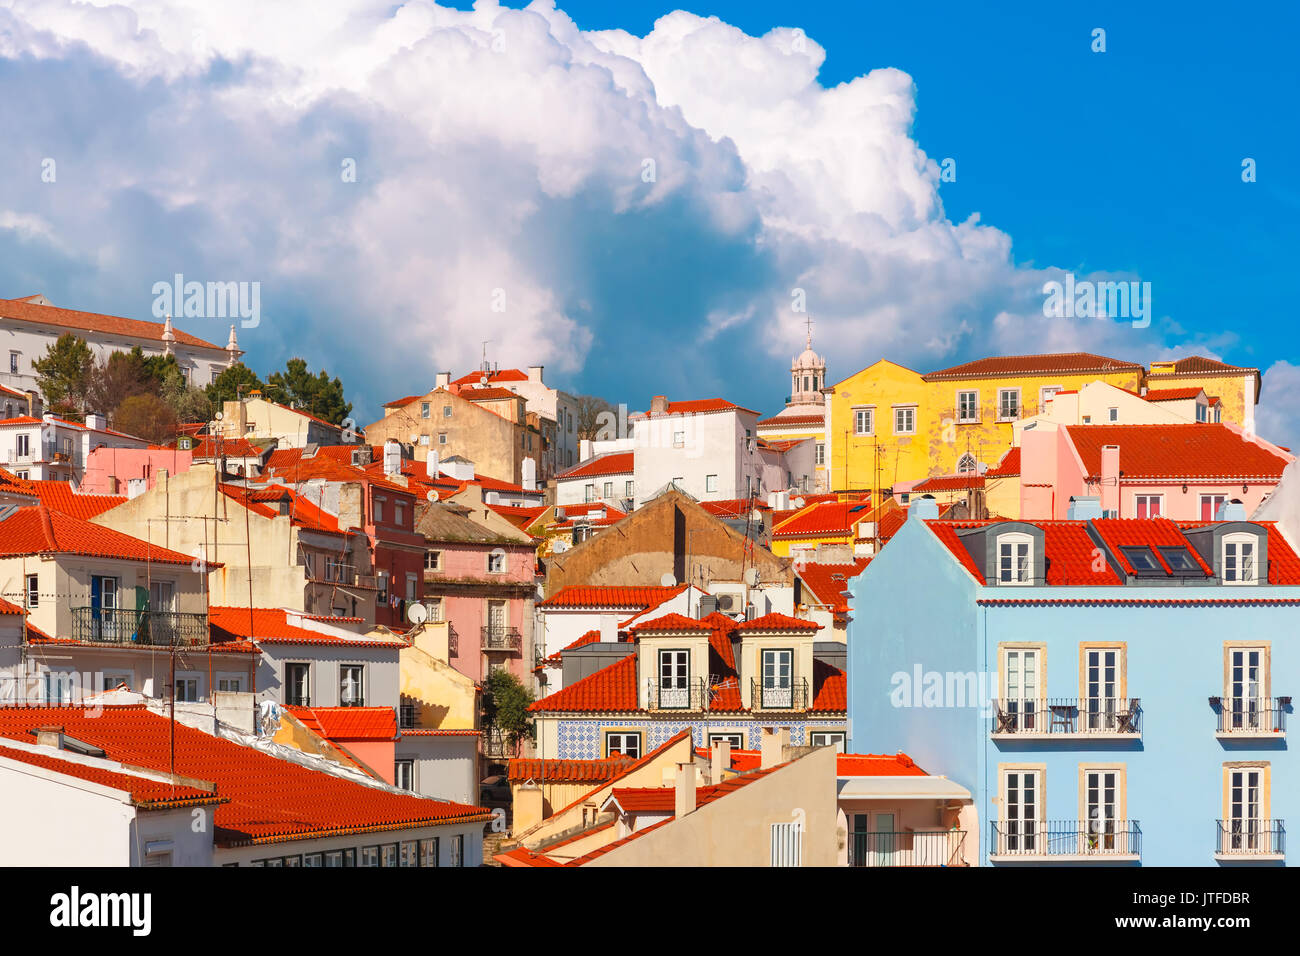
(1249, 857)
(1040, 858)
(1075, 737)
(1251, 735)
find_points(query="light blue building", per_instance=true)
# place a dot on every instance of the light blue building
(1111, 691)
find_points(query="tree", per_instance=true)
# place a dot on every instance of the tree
(314, 394)
(146, 416)
(226, 387)
(160, 368)
(589, 422)
(64, 374)
(116, 379)
(505, 708)
(187, 403)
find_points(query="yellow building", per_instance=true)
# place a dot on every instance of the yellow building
(890, 424)
(1236, 388)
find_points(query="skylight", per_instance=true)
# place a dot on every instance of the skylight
(1142, 559)
(1179, 559)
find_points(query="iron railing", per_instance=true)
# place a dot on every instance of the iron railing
(496, 744)
(1070, 716)
(791, 694)
(1098, 837)
(931, 848)
(688, 694)
(1251, 715)
(502, 639)
(154, 628)
(1247, 837)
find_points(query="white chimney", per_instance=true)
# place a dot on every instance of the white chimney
(685, 790)
(392, 457)
(774, 743)
(608, 628)
(584, 449)
(96, 422)
(442, 380)
(431, 466)
(529, 470)
(535, 373)
(721, 761)
(492, 498)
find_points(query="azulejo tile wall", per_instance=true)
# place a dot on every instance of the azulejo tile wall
(582, 739)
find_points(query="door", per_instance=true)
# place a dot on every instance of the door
(1101, 790)
(885, 838)
(1101, 686)
(778, 679)
(1244, 824)
(1245, 688)
(497, 622)
(1021, 822)
(1022, 687)
(861, 838)
(673, 683)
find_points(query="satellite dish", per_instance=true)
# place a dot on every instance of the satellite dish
(432, 495)
(751, 577)
(417, 613)
(220, 416)
(668, 580)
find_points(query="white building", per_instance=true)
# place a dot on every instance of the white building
(29, 326)
(50, 448)
(551, 404)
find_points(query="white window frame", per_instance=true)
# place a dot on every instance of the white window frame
(436, 557)
(33, 590)
(623, 737)
(710, 483)
(1029, 840)
(1235, 541)
(1158, 499)
(360, 693)
(908, 412)
(975, 400)
(830, 738)
(870, 412)
(499, 558)
(1002, 417)
(406, 764)
(1015, 539)
(1043, 394)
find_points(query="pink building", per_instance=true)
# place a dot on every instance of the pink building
(110, 471)
(1181, 472)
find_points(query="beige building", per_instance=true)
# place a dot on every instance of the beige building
(258, 420)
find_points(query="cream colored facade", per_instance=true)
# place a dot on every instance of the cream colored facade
(256, 418)
(444, 698)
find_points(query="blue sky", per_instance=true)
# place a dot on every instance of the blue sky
(191, 144)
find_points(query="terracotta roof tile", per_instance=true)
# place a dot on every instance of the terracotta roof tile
(146, 792)
(877, 765)
(271, 625)
(567, 771)
(94, 322)
(37, 529)
(594, 596)
(349, 723)
(1065, 362)
(1171, 394)
(1008, 467)
(829, 583)
(610, 463)
(610, 690)
(949, 483)
(1168, 452)
(59, 496)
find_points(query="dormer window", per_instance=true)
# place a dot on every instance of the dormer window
(1239, 553)
(1015, 559)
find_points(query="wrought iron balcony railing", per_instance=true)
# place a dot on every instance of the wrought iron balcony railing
(1076, 838)
(931, 848)
(154, 628)
(688, 694)
(1246, 837)
(502, 639)
(1251, 716)
(1068, 716)
(496, 745)
(792, 694)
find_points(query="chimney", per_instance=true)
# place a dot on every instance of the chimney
(392, 457)
(35, 407)
(720, 761)
(685, 790)
(1232, 510)
(442, 380)
(431, 466)
(535, 373)
(608, 628)
(1084, 508)
(50, 737)
(923, 508)
(529, 470)
(659, 405)
(1110, 480)
(96, 421)
(584, 449)
(774, 743)
(528, 806)
(349, 506)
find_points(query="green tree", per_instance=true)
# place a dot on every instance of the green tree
(116, 379)
(64, 374)
(505, 708)
(316, 394)
(187, 403)
(226, 387)
(146, 416)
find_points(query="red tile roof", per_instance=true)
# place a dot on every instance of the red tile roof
(877, 765)
(671, 623)
(146, 793)
(830, 689)
(1120, 533)
(349, 723)
(1072, 363)
(1171, 394)
(271, 625)
(828, 584)
(1008, 467)
(94, 322)
(567, 771)
(9, 482)
(949, 483)
(59, 496)
(824, 519)
(777, 622)
(1196, 451)
(793, 421)
(487, 394)
(735, 507)
(266, 502)
(503, 375)
(37, 530)
(611, 689)
(1200, 365)
(610, 463)
(698, 406)
(270, 800)
(594, 596)
(229, 447)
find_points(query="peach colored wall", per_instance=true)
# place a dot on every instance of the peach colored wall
(103, 464)
(1186, 506)
(378, 755)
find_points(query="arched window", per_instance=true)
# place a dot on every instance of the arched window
(1015, 559)
(1240, 554)
(967, 465)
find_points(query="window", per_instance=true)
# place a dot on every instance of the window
(1022, 683)
(608, 491)
(710, 483)
(442, 438)
(736, 740)
(819, 453)
(370, 856)
(628, 489)
(1239, 559)
(412, 585)
(674, 683)
(496, 562)
(13, 361)
(968, 406)
(162, 596)
(1202, 413)
(1045, 395)
(1148, 506)
(588, 492)
(1102, 687)
(434, 604)
(379, 509)
(117, 681)
(1102, 808)
(433, 560)
(457, 847)
(777, 672)
(627, 744)
(905, 420)
(1015, 559)
(1021, 812)
(1142, 559)
(230, 685)
(424, 441)
(297, 685)
(1245, 706)
(446, 411)
(404, 778)
(429, 852)
(24, 448)
(399, 513)
(1113, 414)
(424, 409)
(351, 686)
(863, 421)
(1179, 559)
(827, 738)
(679, 439)
(1210, 505)
(967, 465)
(1246, 827)
(33, 590)
(408, 853)
(187, 688)
(1008, 404)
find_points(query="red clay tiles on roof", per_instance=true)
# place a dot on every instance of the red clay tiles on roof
(1171, 394)
(610, 463)
(59, 496)
(610, 690)
(1169, 452)
(227, 447)
(794, 421)
(146, 793)
(777, 622)
(699, 406)
(646, 596)
(1199, 364)
(735, 507)
(828, 584)
(271, 800)
(830, 689)
(1069, 362)
(949, 483)
(486, 394)
(1008, 467)
(671, 623)
(94, 322)
(503, 375)
(349, 723)
(567, 771)
(37, 529)
(823, 518)
(272, 625)
(877, 765)
(1120, 533)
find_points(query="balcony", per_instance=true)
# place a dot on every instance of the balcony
(152, 628)
(507, 639)
(676, 695)
(1243, 840)
(1087, 717)
(495, 744)
(1242, 718)
(927, 848)
(1071, 841)
(774, 695)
